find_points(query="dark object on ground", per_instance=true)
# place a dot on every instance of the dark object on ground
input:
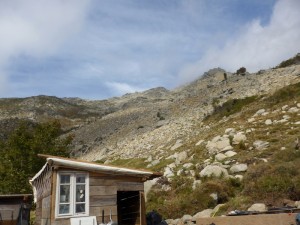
(154, 218)
(298, 219)
(241, 71)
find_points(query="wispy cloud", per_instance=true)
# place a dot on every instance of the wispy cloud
(256, 46)
(121, 88)
(98, 49)
(36, 29)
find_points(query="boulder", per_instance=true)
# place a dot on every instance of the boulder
(268, 122)
(230, 154)
(168, 172)
(238, 168)
(261, 145)
(240, 177)
(283, 108)
(170, 221)
(258, 207)
(213, 170)
(230, 131)
(217, 144)
(238, 138)
(260, 112)
(181, 157)
(187, 165)
(203, 214)
(228, 148)
(186, 218)
(177, 145)
(220, 157)
(293, 110)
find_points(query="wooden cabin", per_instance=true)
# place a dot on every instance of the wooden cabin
(75, 192)
(15, 209)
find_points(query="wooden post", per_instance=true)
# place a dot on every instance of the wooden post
(142, 209)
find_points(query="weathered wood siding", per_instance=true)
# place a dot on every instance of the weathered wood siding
(103, 194)
(103, 191)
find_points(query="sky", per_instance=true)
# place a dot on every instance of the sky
(98, 49)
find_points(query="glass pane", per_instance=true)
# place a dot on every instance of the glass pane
(80, 208)
(80, 193)
(64, 209)
(64, 193)
(65, 179)
(80, 179)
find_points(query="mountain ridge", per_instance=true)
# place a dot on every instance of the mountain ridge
(128, 125)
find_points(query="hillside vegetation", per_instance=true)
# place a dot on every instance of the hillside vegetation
(273, 174)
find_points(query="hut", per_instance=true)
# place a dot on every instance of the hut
(75, 192)
(15, 209)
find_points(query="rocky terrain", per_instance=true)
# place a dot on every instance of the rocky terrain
(185, 132)
(148, 122)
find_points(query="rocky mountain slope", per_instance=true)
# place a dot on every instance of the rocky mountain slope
(146, 123)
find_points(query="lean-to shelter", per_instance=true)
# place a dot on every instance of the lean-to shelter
(15, 209)
(73, 192)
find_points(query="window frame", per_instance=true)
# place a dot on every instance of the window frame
(72, 212)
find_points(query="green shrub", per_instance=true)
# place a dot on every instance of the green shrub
(232, 106)
(285, 94)
(273, 182)
(289, 62)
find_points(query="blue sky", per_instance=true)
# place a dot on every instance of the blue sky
(96, 49)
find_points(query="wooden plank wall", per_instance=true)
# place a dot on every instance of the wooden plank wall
(103, 194)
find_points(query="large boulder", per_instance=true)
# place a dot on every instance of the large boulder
(220, 157)
(181, 157)
(214, 171)
(168, 172)
(238, 138)
(259, 207)
(203, 214)
(230, 153)
(217, 144)
(186, 218)
(238, 168)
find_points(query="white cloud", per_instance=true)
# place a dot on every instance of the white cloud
(122, 88)
(256, 47)
(36, 28)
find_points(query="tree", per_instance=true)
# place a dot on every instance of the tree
(18, 154)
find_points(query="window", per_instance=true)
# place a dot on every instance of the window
(72, 194)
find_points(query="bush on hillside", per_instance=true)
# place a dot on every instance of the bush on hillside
(232, 106)
(289, 62)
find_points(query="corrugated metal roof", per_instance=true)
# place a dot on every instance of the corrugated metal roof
(94, 167)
